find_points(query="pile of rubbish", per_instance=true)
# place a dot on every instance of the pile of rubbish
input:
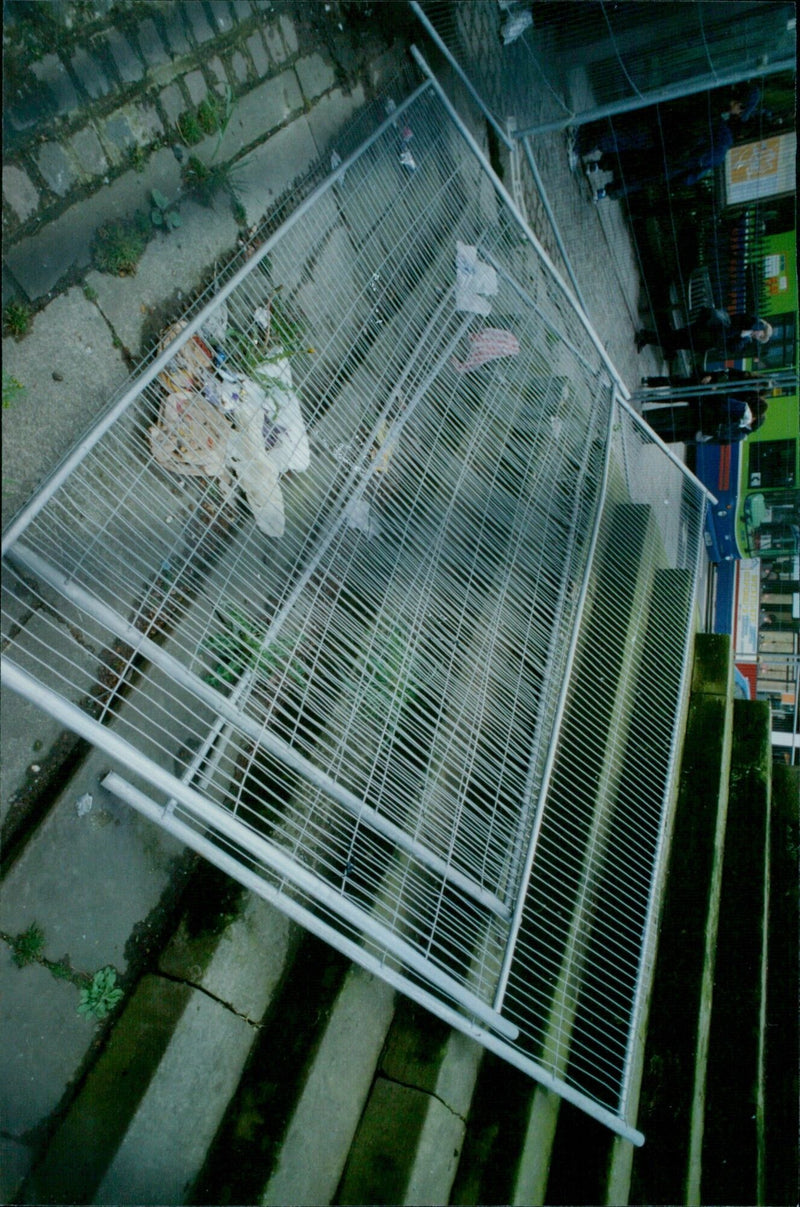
(242, 429)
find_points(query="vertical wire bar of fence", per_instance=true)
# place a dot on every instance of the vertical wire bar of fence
(462, 75)
(647, 950)
(84, 447)
(670, 92)
(514, 208)
(548, 209)
(561, 704)
(260, 734)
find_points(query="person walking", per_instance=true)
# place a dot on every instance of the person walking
(708, 418)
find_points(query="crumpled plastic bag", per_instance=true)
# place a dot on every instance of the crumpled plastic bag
(475, 281)
(259, 478)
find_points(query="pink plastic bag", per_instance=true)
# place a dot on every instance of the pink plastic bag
(487, 345)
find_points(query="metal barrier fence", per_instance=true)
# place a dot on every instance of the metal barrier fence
(395, 593)
(557, 64)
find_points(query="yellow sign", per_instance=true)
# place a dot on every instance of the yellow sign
(761, 169)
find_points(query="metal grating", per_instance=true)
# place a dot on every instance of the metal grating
(394, 593)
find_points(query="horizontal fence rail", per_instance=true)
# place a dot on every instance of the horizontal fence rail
(390, 598)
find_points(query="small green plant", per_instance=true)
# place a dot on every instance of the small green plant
(17, 319)
(118, 246)
(205, 180)
(190, 129)
(89, 293)
(137, 158)
(209, 116)
(101, 995)
(238, 647)
(26, 948)
(13, 389)
(163, 212)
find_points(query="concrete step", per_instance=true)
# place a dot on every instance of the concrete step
(140, 1127)
(412, 1131)
(674, 1071)
(733, 1167)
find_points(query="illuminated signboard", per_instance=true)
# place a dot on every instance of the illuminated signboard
(761, 169)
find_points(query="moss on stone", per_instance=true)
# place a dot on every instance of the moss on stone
(711, 670)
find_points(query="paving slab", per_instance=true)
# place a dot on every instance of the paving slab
(19, 192)
(275, 44)
(257, 113)
(40, 261)
(44, 1039)
(107, 862)
(90, 73)
(175, 29)
(128, 64)
(56, 168)
(68, 338)
(332, 114)
(150, 44)
(171, 263)
(268, 172)
(258, 54)
(52, 74)
(315, 75)
(88, 150)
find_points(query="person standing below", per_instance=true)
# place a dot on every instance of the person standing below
(708, 418)
(732, 334)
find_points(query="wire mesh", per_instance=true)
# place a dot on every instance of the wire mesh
(554, 64)
(393, 597)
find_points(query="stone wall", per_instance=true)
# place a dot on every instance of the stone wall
(105, 101)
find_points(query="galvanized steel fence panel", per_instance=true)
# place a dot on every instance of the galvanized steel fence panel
(381, 565)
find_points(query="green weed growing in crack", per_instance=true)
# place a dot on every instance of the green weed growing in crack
(13, 389)
(101, 995)
(17, 319)
(99, 992)
(26, 948)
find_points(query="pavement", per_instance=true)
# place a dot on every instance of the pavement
(95, 878)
